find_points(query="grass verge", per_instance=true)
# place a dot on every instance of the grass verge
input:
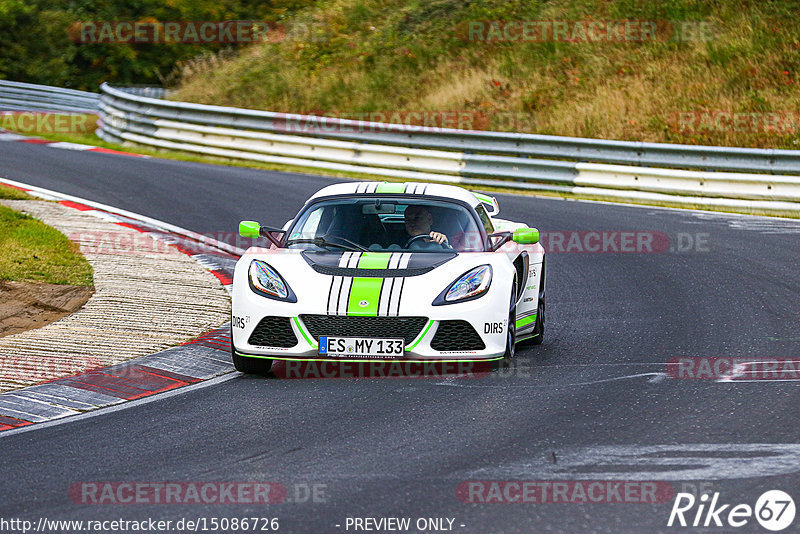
(31, 251)
(12, 193)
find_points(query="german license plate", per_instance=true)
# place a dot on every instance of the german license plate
(361, 347)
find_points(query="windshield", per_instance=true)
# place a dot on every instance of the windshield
(385, 224)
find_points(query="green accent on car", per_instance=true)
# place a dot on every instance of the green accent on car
(483, 198)
(526, 236)
(303, 331)
(526, 321)
(364, 290)
(284, 359)
(519, 339)
(387, 187)
(419, 337)
(250, 229)
(374, 260)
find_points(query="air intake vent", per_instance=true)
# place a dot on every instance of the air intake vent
(273, 332)
(456, 335)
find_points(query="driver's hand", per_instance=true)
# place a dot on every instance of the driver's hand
(439, 237)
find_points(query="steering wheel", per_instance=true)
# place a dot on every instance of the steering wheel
(424, 236)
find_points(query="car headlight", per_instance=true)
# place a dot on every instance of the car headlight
(468, 286)
(266, 281)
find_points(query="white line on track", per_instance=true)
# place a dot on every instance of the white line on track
(655, 378)
(160, 225)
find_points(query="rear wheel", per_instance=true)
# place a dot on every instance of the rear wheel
(248, 365)
(511, 331)
(538, 329)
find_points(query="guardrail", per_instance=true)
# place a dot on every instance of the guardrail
(763, 179)
(17, 96)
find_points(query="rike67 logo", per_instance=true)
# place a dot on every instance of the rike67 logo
(774, 510)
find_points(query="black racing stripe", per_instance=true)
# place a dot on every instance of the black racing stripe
(400, 296)
(344, 294)
(389, 297)
(352, 262)
(330, 294)
(380, 294)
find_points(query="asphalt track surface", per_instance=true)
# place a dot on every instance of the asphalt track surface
(399, 448)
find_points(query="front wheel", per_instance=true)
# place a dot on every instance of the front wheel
(251, 366)
(247, 365)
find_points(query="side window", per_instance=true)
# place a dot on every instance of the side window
(485, 219)
(313, 222)
(307, 228)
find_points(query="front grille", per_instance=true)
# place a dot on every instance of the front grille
(456, 335)
(407, 328)
(273, 332)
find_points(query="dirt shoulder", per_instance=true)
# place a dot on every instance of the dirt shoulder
(43, 275)
(28, 305)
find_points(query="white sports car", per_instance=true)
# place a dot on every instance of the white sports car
(387, 271)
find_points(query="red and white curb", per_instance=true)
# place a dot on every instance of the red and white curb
(18, 138)
(201, 359)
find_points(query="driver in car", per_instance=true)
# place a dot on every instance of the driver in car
(418, 222)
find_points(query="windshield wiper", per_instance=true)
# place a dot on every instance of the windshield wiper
(321, 242)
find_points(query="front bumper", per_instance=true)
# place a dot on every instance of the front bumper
(435, 333)
(463, 331)
(470, 331)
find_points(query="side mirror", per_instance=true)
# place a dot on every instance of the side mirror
(250, 229)
(526, 236)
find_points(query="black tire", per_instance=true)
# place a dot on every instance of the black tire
(511, 331)
(511, 334)
(250, 366)
(538, 329)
